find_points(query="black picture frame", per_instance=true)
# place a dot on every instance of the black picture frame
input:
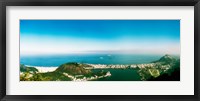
(4, 3)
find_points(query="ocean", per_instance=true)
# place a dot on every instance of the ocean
(117, 74)
(57, 60)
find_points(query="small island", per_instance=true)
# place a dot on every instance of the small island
(167, 68)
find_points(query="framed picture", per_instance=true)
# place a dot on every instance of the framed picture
(103, 50)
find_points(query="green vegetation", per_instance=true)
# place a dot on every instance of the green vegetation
(154, 72)
(27, 72)
(165, 60)
(49, 76)
(166, 66)
(74, 70)
(23, 68)
(173, 74)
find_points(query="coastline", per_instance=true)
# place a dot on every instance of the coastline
(46, 69)
(42, 69)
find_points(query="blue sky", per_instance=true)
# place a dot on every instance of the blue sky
(91, 36)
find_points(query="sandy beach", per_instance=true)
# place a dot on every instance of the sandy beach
(46, 69)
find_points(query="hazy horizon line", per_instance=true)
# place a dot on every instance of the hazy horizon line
(85, 53)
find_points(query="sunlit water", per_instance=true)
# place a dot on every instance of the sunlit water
(56, 60)
(117, 74)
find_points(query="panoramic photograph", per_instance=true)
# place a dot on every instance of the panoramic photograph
(99, 50)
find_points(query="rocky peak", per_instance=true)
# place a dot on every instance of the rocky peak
(167, 59)
(73, 69)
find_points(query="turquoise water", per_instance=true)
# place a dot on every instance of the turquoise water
(121, 75)
(56, 60)
(116, 74)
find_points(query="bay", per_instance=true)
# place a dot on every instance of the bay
(56, 60)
